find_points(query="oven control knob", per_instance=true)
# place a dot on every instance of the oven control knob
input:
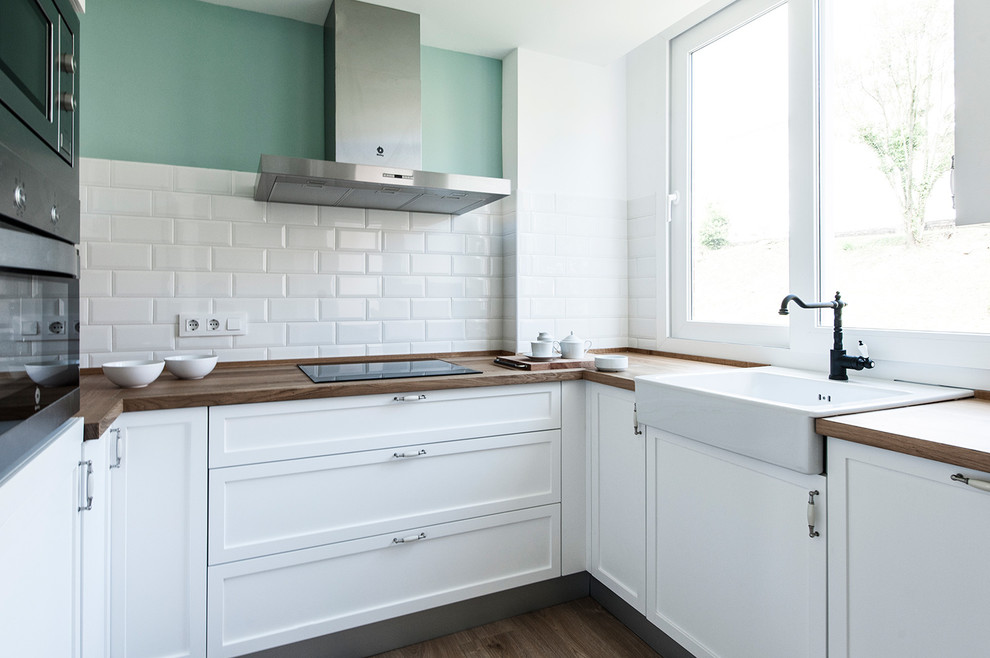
(67, 62)
(55, 216)
(68, 102)
(20, 197)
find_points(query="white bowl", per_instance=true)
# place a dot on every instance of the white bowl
(611, 362)
(133, 374)
(53, 373)
(190, 366)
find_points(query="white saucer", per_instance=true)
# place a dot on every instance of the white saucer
(539, 358)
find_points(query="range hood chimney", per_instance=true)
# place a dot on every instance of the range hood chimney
(373, 126)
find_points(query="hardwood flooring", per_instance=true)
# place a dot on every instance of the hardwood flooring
(578, 629)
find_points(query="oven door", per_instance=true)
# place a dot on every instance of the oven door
(37, 70)
(39, 342)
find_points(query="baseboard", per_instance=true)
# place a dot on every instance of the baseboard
(436, 622)
(636, 622)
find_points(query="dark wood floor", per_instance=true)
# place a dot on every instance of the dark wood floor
(579, 629)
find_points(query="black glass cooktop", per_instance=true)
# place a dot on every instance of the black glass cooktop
(346, 372)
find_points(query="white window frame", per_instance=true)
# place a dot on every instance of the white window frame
(949, 358)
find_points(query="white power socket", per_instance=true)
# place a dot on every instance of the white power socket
(213, 324)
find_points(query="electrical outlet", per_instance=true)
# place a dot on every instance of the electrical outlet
(212, 324)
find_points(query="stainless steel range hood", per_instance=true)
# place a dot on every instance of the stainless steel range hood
(373, 126)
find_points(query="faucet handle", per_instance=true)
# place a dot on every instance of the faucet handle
(864, 351)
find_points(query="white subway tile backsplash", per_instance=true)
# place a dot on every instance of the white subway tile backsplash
(202, 232)
(342, 263)
(392, 220)
(311, 333)
(404, 286)
(292, 261)
(181, 258)
(355, 240)
(256, 309)
(293, 213)
(305, 237)
(95, 283)
(425, 221)
(445, 330)
(472, 265)
(404, 241)
(94, 172)
(471, 223)
(389, 309)
(293, 310)
(483, 245)
(140, 175)
(359, 286)
(95, 338)
(143, 284)
(259, 285)
(244, 183)
(262, 334)
(242, 354)
(155, 230)
(445, 286)
(369, 333)
(203, 181)
(238, 259)
(476, 286)
(342, 217)
(331, 351)
(404, 331)
(430, 264)
(472, 308)
(182, 204)
(168, 310)
(143, 337)
(430, 309)
(310, 285)
(118, 256)
(445, 243)
(489, 329)
(120, 311)
(343, 309)
(259, 235)
(94, 228)
(118, 201)
(202, 284)
(239, 209)
(300, 352)
(388, 264)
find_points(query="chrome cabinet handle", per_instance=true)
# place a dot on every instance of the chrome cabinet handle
(408, 398)
(407, 455)
(118, 448)
(811, 513)
(411, 538)
(982, 485)
(87, 485)
(636, 429)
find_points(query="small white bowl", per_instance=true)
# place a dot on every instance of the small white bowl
(190, 366)
(611, 362)
(53, 373)
(133, 374)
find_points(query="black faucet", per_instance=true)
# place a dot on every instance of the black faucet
(838, 360)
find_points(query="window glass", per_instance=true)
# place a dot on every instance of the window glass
(888, 235)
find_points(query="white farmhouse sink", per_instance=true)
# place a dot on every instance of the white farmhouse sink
(769, 413)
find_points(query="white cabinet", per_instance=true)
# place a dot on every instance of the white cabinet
(330, 514)
(40, 586)
(908, 556)
(95, 558)
(158, 483)
(732, 570)
(618, 494)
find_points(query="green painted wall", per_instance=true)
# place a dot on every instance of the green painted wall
(462, 112)
(185, 82)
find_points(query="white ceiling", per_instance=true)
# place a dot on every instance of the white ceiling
(589, 31)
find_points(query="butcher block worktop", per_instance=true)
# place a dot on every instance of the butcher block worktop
(956, 432)
(103, 401)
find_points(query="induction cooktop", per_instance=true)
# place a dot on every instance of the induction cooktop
(347, 372)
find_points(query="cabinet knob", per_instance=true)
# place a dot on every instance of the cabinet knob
(982, 485)
(55, 215)
(68, 102)
(20, 197)
(67, 62)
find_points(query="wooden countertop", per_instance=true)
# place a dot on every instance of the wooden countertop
(956, 432)
(103, 401)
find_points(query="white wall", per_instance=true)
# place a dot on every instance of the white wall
(159, 240)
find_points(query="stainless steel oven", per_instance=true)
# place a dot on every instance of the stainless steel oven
(39, 226)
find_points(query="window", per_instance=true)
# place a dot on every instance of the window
(845, 185)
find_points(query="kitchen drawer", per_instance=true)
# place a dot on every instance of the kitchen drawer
(270, 431)
(270, 601)
(259, 509)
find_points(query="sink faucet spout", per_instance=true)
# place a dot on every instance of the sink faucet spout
(839, 361)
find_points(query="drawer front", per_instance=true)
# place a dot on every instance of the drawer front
(271, 601)
(253, 433)
(261, 509)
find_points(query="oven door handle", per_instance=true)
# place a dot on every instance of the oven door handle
(27, 251)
